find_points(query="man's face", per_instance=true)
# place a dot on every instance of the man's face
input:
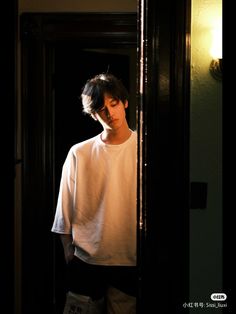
(112, 114)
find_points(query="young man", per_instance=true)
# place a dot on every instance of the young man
(96, 209)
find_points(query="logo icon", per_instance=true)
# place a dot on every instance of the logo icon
(218, 296)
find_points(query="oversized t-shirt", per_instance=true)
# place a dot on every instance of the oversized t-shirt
(97, 201)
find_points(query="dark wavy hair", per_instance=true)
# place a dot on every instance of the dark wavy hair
(93, 92)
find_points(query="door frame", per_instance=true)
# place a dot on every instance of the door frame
(38, 33)
(163, 163)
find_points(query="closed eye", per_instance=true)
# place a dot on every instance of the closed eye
(114, 103)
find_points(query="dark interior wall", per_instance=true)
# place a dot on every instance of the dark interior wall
(8, 27)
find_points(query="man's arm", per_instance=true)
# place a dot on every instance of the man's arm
(68, 246)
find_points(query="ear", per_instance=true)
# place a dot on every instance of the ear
(93, 115)
(126, 104)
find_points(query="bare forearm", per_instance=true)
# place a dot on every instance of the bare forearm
(68, 246)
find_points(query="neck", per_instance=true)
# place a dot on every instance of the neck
(116, 137)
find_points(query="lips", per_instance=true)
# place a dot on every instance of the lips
(113, 121)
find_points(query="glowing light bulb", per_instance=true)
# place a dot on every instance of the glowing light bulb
(216, 48)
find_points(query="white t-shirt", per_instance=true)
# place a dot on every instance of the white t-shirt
(97, 201)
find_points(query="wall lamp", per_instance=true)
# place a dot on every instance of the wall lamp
(216, 65)
(216, 69)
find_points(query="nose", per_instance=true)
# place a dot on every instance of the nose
(108, 113)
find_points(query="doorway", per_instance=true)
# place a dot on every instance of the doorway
(73, 66)
(59, 53)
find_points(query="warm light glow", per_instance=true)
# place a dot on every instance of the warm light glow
(216, 47)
